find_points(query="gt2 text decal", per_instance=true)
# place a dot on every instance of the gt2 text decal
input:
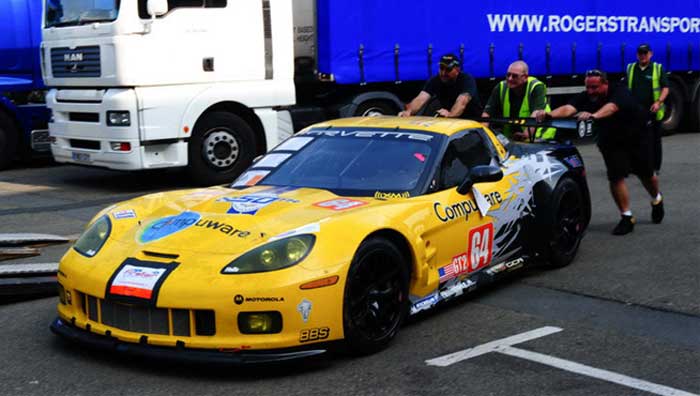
(480, 247)
(340, 204)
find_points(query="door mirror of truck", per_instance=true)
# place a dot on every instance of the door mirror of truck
(157, 8)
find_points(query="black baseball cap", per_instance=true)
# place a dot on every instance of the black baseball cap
(643, 48)
(449, 61)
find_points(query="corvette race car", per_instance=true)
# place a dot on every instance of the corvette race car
(332, 238)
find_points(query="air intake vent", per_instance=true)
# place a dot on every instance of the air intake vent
(78, 62)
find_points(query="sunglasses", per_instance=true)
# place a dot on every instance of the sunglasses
(594, 73)
(446, 68)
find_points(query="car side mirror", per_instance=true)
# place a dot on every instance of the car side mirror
(157, 8)
(479, 174)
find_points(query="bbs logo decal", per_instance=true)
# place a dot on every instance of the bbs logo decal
(321, 333)
(480, 247)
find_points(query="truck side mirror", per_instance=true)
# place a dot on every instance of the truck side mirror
(479, 174)
(157, 8)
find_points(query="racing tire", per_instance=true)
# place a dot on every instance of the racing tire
(374, 108)
(221, 148)
(675, 108)
(568, 223)
(375, 300)
(8, 141)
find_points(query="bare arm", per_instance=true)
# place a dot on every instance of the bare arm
(657, 105)
(416, 104)
(560, 112)
(459, 106)
(606, 111)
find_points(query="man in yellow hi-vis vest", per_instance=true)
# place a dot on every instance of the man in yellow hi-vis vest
(648, 82)
(517, 97)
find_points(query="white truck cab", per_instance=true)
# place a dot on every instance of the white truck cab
(144, 84)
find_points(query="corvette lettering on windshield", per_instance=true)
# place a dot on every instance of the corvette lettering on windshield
(373, 134)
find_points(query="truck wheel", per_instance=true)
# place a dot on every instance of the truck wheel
(374, 108)
(567, 223)
(695, 113)
(8, 141)
(221, 148)
(376, 297)
(675, 108)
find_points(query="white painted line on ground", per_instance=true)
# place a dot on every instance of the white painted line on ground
(604, 375)
(492, 346)
(505, 346)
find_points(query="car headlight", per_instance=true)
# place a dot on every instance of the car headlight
(94, 237)
(272, 256)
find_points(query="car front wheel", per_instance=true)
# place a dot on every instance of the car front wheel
(376, 297)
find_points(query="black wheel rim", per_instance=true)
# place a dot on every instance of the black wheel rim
(375, 296)
(569, 223)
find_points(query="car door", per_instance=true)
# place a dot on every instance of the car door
(462, 232)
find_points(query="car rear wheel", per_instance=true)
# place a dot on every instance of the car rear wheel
(376, 297)
(568, 223)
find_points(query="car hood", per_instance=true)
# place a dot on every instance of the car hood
(227, 221)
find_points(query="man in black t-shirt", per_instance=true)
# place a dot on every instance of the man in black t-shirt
(622, 137)
(453, 89)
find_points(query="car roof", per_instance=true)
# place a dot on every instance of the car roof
(444, 126)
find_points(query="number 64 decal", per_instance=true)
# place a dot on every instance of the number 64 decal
(480, 246)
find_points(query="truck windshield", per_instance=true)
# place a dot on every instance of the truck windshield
(79, 12)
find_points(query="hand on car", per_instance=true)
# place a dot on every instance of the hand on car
(584, 116)
(539, 115)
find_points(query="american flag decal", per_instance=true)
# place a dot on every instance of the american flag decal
(447, 272)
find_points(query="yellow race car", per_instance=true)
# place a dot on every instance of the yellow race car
(332, 238)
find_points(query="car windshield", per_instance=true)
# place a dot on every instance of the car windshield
(78, 12)
(350, 161)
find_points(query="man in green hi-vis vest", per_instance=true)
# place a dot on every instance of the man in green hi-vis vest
(517, 97)
(648, 82)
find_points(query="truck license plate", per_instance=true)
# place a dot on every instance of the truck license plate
(81, 157)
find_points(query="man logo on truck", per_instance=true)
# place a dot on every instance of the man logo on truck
(74, 57)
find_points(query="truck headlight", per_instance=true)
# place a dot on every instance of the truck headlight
(118, 118)
(94, 237)
(272, 256)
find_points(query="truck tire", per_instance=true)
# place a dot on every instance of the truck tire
(221, 148)
(373, 108)
(675, 108)
(8, 141)
(695, 113)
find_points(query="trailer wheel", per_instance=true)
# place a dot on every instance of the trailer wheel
(675, 108)
(374, 108)
(695, 113)
(221, 148)
(8, 141)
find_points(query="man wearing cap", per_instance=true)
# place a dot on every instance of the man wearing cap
(455, 90)
(622, 139)
(518, 96)
(648, 82)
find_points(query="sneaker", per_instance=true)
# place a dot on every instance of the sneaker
(625, 226)
(657, 211)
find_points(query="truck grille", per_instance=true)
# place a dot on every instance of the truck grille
(149, 320)
(78, 62)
